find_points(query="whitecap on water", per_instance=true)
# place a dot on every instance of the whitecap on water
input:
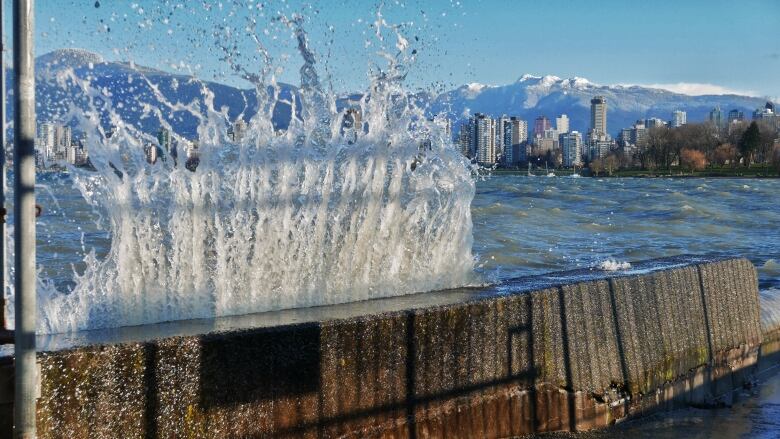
(614, 265)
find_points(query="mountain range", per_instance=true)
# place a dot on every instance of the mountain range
(528, 97)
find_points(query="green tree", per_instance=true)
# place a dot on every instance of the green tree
(749, 143)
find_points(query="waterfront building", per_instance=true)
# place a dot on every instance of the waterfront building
(679, 118)
(447, 125)
(151, 152)
(519, 130)
(624, 138)
(518, 152)
(655, 122)
(53, 141)
(164, 140)
(503, 137)
(543, 145)
(562, 124)
(716, 116)
(634, 136)
(571, 143)
(237, 131)
(598, 116)
(736, 116)
(485, 139)
(465, 137)
(638, 133)
(766, 113)
(62, 140)
(352, 124)
(45, 141)
(541, 124)
(600, 148)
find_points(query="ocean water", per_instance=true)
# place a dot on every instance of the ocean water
(527, 225)
(523, 225)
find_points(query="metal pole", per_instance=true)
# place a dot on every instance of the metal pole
(24, 221)
(3, 254)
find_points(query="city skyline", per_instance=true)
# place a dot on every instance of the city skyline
(681, 51)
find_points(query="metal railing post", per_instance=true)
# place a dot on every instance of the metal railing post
(25, 368)
(3, 176)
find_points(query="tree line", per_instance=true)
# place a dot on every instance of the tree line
(699, 145)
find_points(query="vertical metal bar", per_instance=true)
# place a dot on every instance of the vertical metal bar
(24, 221)
(3, 241)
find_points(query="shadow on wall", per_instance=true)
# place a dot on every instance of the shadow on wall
(251, 367)
(506, 366)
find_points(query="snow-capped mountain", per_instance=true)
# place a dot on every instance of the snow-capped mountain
(528, 97)
(532, 96)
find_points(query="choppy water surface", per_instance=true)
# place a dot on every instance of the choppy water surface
(755, 415)
(526, 225)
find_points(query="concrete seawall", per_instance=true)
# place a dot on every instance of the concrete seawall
(565, 351)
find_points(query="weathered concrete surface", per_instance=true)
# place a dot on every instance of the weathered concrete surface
(770, 327)
(567, 351)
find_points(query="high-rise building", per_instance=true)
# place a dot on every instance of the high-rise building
(768, 114)
(237, 131)
(45, 141)
(164, 139)
(518, 151)
(598, 116)
(62, 139)
(635, 136)
(352, 124)
(716, 116)
(543, 145)
(679, 118)
(503, 136)
(519, 130)
(562, 124)
(551, 133)
(638, 133)
(541, 124)
(600, 148)
(654, 122)
(485, 136)
(736, 116)
(53, 141)
(465, 139)
(624, 138)
(571, 143)
(152, 153)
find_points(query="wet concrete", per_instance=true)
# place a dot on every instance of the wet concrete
(566, 351)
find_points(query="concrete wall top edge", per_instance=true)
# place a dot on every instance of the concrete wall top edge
(357, 311)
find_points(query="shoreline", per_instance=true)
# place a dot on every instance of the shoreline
(636, 174)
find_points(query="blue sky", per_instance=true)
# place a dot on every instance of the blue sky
(690, 46)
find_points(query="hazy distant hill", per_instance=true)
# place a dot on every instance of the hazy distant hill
(529, 97)
(125, 84)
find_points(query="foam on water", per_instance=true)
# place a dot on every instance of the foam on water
(304, 217)
(613, 265)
